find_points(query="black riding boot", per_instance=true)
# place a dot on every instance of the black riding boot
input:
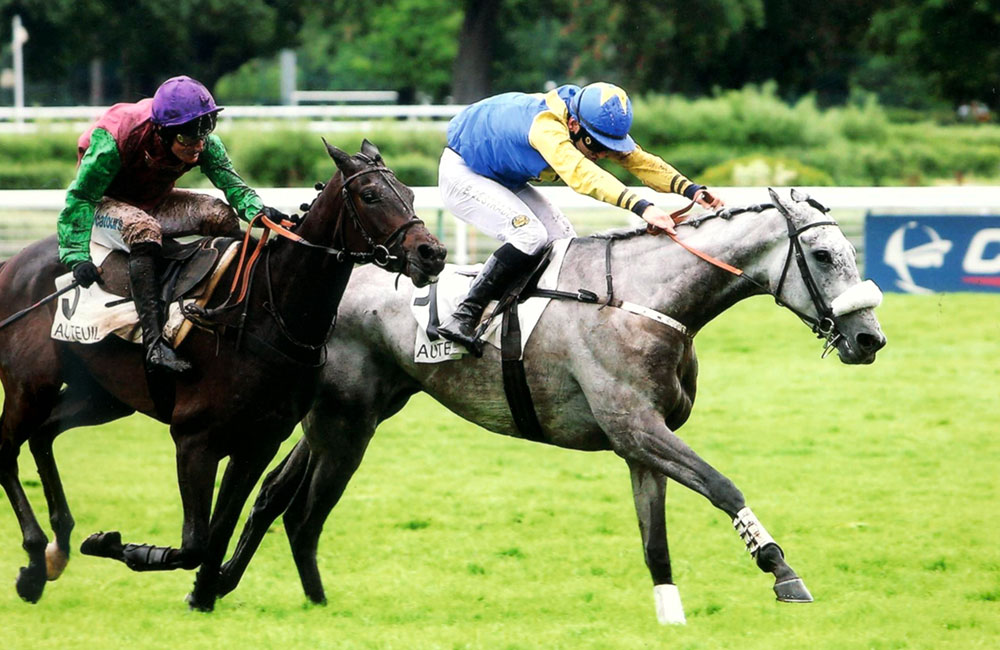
(146, 294)
(506, 264)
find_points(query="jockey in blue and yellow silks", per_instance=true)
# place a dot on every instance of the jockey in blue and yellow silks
(497, 146)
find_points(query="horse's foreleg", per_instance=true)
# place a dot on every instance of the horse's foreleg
(238, 480)
(275, 494)
(83, 404)
(645, 439)
(649, 493)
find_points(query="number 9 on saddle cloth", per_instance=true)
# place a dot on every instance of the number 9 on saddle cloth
(190, 273)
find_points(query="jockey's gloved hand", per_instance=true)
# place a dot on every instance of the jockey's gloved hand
(275, 215)
(709, 200)
(86, 273)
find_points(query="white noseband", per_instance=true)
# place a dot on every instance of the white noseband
(863, 295)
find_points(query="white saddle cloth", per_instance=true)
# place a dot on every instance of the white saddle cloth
(90, 315)
(451, 288)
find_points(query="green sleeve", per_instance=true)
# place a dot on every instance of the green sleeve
(217, 166)
(98, 167)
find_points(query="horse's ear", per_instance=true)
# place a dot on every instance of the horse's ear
(783, 207)
(343, 159)
(370, 150)
(798, 195)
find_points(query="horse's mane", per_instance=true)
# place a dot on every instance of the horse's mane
(725, 213)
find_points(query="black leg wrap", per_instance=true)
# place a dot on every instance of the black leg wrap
(145, 557)
(766, 559)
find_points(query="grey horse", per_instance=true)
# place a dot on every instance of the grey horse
(600, 378)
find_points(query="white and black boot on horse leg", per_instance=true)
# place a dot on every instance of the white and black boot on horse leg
(788, 586)
(504, 266)
(146, 293)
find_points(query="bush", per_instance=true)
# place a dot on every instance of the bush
(277, 158)
(860, 143)
(39, 147)
(764, 170)
(42, 175)
(414, 169)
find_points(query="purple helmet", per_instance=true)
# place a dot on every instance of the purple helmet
(180, 100)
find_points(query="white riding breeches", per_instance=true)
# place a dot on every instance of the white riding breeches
(522, 217)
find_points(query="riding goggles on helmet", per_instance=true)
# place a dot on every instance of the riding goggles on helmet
(193, 132)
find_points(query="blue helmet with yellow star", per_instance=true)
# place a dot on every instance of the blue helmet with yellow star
(605, 112)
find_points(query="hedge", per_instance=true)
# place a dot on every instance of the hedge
(857, 144)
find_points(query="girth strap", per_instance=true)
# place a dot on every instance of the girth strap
(515, 382)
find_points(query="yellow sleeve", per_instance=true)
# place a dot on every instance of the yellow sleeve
(549, 135)
(653, 171)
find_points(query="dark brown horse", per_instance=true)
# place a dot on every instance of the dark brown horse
(253, 380)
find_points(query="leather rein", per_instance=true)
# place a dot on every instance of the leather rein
(824, 326)
(381, 254)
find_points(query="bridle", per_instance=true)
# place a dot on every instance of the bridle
(380, 254)
(824, 324)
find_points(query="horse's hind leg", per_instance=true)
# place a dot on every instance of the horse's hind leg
(335, 456)
(21, 415)
(275, 494)
(649, 491)
(82, 404)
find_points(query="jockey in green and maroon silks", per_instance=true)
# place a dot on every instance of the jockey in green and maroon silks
(123, 195)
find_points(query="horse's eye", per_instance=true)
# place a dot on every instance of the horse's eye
(822, 256)
(370, 196)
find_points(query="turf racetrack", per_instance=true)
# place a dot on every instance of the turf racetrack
(880, 482)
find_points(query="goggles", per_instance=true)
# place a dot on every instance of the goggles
(588, 140)
(191, 133)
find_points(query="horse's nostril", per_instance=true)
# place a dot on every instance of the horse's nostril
(426, 251)
(871, 342)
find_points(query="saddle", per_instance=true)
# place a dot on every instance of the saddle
(183, 266)
(187, 272)
(519, 290)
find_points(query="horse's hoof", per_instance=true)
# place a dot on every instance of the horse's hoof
(107, 544)
(55, 561)
(30, 584)
(792, 591)
(195, 605)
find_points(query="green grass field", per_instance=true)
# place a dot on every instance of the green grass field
(880, 482)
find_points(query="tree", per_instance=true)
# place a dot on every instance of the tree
(471, 77)
(142, 42)
(951, 44)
